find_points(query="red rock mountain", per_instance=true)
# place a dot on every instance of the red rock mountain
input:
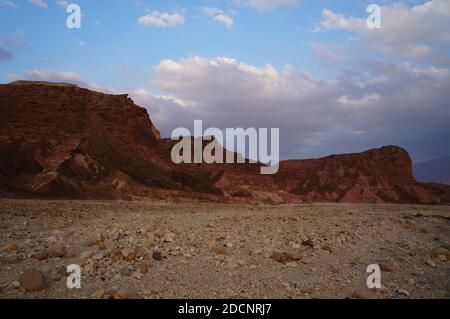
(62, 141)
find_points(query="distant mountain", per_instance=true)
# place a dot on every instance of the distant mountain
(437, 171)
(62, 141)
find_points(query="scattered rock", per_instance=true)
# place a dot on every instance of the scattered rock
(99, 294)
(430, 262)
(119, 295)
(309, 242)
(403, 292)
(99, 256)
(11, 248)
(221, 250)
(327, 248)
(307, 260)
(292, 264)
(95, 240)
(441, 251)
(384, 267)
(280, 257)
(143, 267)
(56, 250)
(32, 280)
(129, 253)
(255, 252)
(157, 256)
(86, 255)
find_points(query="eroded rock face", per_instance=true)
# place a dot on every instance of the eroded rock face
(65, 141)
(62, 141)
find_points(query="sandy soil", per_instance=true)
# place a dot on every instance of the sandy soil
(223, 251)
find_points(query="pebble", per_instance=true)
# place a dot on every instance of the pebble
(307, 260)
(129, 253)
(403, 292)
(157, 256)
(32, 280)
(86, 255)
(143, 267)
(56, 250)
(430, 262)
(221, 250)
(95, 240)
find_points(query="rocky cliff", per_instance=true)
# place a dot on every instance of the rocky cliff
(62, 141)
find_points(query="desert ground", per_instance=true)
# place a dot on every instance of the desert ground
(197, 250)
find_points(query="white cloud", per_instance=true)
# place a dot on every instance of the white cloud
(7, 3)
(211, 11)
(385, 104)
(327, 53)
(161, 20)
(225, 19)
(62, 3)
(406, 32)
(39, 3)
(361, 102)
(268, 4)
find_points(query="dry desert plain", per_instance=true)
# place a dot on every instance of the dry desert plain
(198, 250)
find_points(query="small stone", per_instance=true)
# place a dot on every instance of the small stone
(56, 251)
(99, 294)
(307, 261)
(95, 240)
(128, 253)
(11, 248)
(430, 262)
(385, 267)
(168, 237)
(327, 248)
(99, 256)
(86, 255)
(15, 284)
(403, 292)
(143, 267)
(292, 264)
(157, 256)
(295, 255)
(286, 285)
(119, 295)
(309, 242)
(221, 250)
(125, 272)
(255, 252)
(280, 257)
(441, 251)
(11, 259)
(40, 255)
(32, 280)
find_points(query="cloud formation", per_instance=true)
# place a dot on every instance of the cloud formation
(39, 3)
(268, 4)
(162, 20)
(413, 33)
(8, 3)
(387, 104)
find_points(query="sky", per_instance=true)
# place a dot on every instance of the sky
(314, 69)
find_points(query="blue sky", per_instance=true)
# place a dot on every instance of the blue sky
(311, 68)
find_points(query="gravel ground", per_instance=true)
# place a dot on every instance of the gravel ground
(164, 250)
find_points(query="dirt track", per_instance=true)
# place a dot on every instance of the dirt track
(224, 251)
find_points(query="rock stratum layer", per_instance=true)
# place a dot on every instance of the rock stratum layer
(62, 141)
